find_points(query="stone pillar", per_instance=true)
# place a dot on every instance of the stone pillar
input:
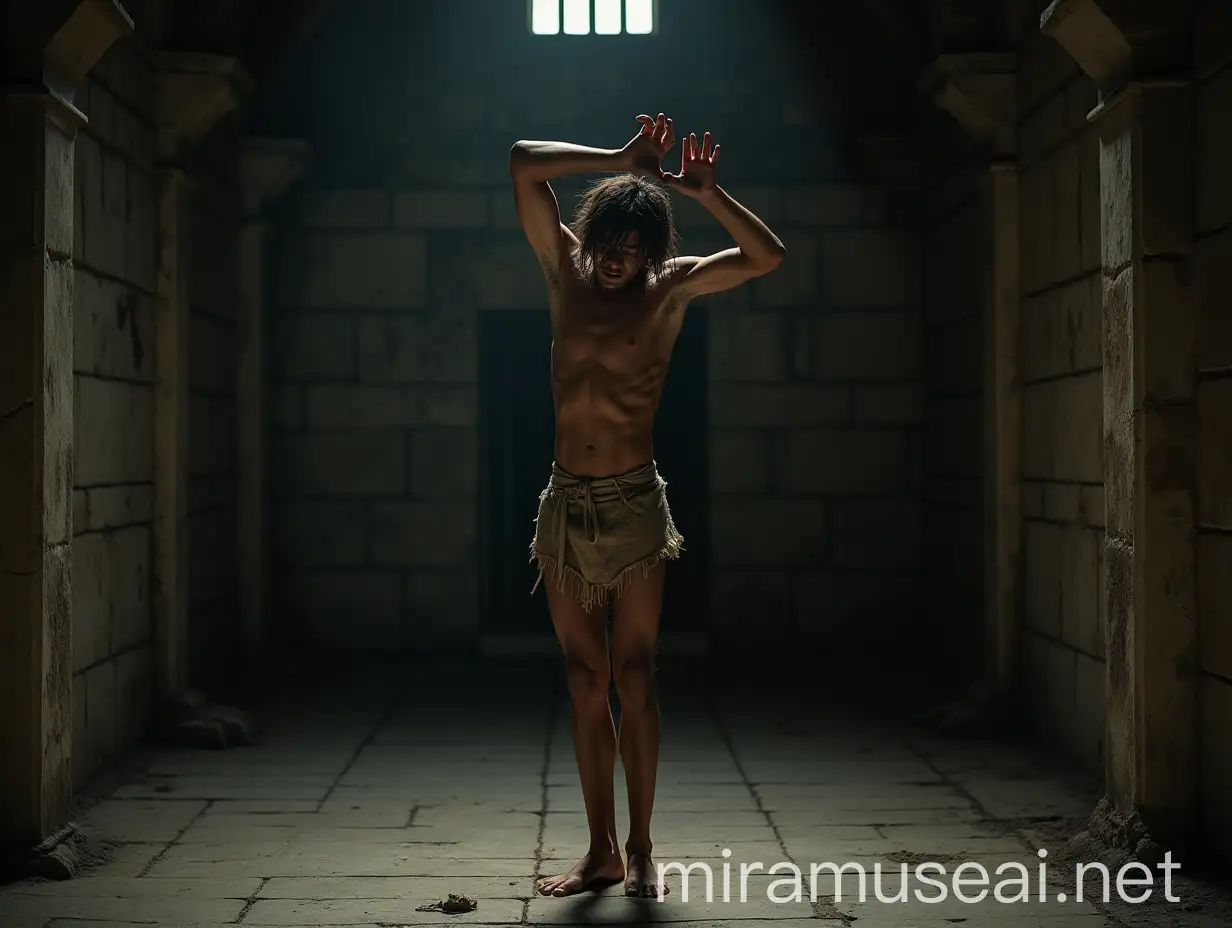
(39, 123)
(1138, 53)
(195, 91)
(267, 168)
(979, 92)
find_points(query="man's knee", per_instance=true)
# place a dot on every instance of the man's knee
(589, 678)
(635, 682)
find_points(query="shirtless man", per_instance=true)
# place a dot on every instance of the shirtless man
(617, 294)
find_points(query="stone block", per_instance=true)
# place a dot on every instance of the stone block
(855, 607)
(1214, 143)
(1042, 544)
(888, 404)
(1089, 216)
(745, 600)
(314, 346)
(1212, 297)
(444, 462)
(213, 277)
(353, 271)
(824, 205)
(410, 533)
(319, 533)
(102, 730)
(1214, 569)
(954, 357)
(1060, 501)
(1215, 701)
(401, 407)
(954, 436)
(111, 593)
(1062, 330)
(1066, 237)
(212, 567)
(105, 204)
(499, 274)
(1036, 188)
(80, 744)
(756, 346)
(1044, 127)
(441, 209)
(286, 407)
(1212, 33)
(798, 280)
(503, 210)
(211, 354)
(442, 609)
(58, 197)
(350, 209)
(113, 431)
(113, 329)
(827, 461)
(868, 268)
(1078, 560)
(211, 434)
(772, 532)
(437, 347)
(1215, 453)
(345, 610)
(101, 508)
(141, 230)
(869, 346)
(739, 461)
(1063, 429)
(785, 405)
(1050, 685)
(134, 695)
(354, 463)
(1083, 726)
(876, 533)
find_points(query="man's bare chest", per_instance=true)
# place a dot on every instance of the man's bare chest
(619, 340)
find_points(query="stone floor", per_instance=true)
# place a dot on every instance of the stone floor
(373, 794)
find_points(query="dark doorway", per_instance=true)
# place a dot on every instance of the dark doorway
(516, 439)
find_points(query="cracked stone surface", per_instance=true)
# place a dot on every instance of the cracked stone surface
(384, 790)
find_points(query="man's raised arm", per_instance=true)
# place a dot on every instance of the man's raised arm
(533, 163)
(758, 251)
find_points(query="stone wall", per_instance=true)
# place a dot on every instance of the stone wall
(115, 257)
(814, 374)
(113, 346)
(215, 638)
(957, 252)
(1062, 402)
(1213, 329)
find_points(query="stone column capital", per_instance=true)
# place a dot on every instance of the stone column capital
(978, 90)
(268, 167)
(195, 91)
(1115, 40)
(90, 30)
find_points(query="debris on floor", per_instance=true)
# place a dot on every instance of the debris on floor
(454, 904)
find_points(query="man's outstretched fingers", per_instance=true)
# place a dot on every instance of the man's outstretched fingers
(714, 155)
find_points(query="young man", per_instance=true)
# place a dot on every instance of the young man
(617, 294)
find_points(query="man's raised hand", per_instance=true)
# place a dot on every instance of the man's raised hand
(697, 173)
(644, 152)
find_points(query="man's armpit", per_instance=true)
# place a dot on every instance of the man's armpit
(550, 272)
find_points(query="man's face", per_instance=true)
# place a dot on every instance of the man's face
(618, 263)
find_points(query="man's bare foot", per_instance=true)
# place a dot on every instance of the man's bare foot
(593, 871)
(643, 879)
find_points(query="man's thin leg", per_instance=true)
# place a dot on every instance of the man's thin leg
(583, 639)
(635, 632)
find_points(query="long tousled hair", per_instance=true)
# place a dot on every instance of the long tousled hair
(611, 209)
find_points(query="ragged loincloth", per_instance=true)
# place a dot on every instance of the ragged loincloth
(592, 533)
